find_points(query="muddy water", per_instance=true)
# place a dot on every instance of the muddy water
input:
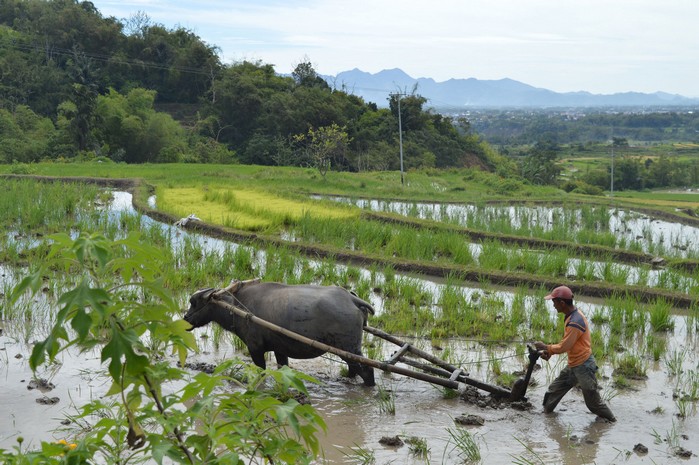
(355, 419)
(571, 435)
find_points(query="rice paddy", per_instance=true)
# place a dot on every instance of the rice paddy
(243, 208)
(476, 325)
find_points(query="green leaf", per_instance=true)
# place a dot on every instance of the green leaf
(121, 345)
(81, 323)
(84, 296)
(32, 281)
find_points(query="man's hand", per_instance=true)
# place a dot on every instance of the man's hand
(540, 345)
(545, 355)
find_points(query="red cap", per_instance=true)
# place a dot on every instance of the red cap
(561, 292)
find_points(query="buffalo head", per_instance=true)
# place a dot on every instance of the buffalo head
(200, 312)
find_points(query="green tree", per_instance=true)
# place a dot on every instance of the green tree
(131, 129)
(539, 165)
(325, 146)
(627, 174)
(305, 75)
(25, 135)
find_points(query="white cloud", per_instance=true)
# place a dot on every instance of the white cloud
(563, 45)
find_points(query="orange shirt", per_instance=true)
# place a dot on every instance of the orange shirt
(576, 340)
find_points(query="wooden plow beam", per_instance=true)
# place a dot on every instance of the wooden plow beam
(442, 369)
(455, 375)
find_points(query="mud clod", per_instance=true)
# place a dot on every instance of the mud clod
(473, 396)
(640, 449)
(391, 441)
(470, 420)
(41, 384)
(201, 366)
(683, 453)
(48, 400)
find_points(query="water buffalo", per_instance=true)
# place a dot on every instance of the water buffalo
(327, 314)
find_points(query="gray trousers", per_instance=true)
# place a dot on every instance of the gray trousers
(584, 376)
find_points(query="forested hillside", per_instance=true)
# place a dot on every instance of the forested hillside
(77, 84)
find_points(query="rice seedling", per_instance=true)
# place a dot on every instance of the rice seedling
(684, 406)
(386, 400)
(554, 263)
(660, 316)
(609, 392)
(584, 270)
(447, 393)
(656, 346)
(630, 366)
(418, 447)
(361, 455)
(674, 362)
(522, 460)
(493, 256)
(465, 444)
(373, 349)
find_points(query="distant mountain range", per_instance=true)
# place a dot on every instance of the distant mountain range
(457, 94)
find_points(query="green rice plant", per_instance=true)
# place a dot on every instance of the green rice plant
(671, 438)
(448, 393)
(554, 263)
(630, 366)
(418, 447)
(660, 316)
(386, 400)
(360, 455)
(389, 274)
(493, 256)
(692, 321)
(460, 250)
(495, 365)
(621, 382)
(518, 309)
(599, 316)
(373, 348)
(642, 276)
(674, 362)
(656, 346)
(683, 405)
(585, 270)
(465, 444)
(609, 392)
(521, 460)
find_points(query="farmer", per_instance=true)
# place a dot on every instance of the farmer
(581, 367)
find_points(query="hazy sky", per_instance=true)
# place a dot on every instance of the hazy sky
(601, 46)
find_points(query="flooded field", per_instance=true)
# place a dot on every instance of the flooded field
(617, 228)
(650, 412)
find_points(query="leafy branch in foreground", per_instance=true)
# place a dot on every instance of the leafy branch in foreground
(121, 308)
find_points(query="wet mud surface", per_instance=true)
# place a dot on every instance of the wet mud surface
(647, 431)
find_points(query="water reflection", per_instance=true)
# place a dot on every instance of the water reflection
(614, 227)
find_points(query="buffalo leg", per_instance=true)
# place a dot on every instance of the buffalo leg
(281, 359)
(366, 372)
(258, 359)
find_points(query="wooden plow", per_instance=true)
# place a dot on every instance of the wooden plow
(437, 371)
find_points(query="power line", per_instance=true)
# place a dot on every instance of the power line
(25, 46)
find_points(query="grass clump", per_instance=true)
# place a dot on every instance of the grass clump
(630, 366)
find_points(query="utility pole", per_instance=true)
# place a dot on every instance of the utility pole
(400, 135)
(612, 183)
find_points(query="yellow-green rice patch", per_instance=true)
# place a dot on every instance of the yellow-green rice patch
(245, 209)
